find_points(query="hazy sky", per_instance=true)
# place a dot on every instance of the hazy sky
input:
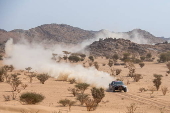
(113, 15)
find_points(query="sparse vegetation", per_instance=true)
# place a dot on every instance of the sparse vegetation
(137, 77)
(141, 64)
(43, 77)
(82, 86)
(132, 108)
(164, 90)
(82, 98)
(157, 81)
(74, 91)
(91, 104)
(91, 58)
(31, 98)
(15, 82)
(98, 94)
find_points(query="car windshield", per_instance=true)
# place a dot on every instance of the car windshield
(118, 82)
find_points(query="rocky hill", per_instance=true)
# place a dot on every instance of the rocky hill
(109, 46)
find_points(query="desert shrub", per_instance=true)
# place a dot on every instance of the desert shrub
(142, 58)
(74, 91)
(2, 71)
(141, 64)
(110, 63)
(157, 81)
(98, 94)
(72, 81)
(132, 108)
(31, 75)
(1, 57)
(82, 86)
(90, 64)
(64, 102)
(142, 89)
(103, 64)
(74, 58)
(164, 57)
(126, 57)
(6, 97)
(82, 98)
(164, 90)
(148, 55)
(43, 77)
(137, 77)
(24, 86)
(152, 89)
(91, 104)
(91, 58)
(115, 56)
(96, 65)
(168, 66)
(31, 98)
(28, 69)
(15, 82)
(118, 71)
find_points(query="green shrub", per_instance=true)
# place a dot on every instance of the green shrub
(31, 98)
(98, 94)
(82, 86)
(64, 102)
(43, 77)
(82, 98)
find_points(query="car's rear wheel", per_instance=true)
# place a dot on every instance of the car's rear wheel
(125, 89)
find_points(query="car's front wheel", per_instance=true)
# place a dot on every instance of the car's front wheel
(125, 89)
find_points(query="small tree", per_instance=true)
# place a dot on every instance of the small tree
(43, 77)
(157, 81)
(98, 94)
(31, 75)
(82, 98)
(82, 86)
(141, 64)
(15, 82)
(28, 69)
(91, 58)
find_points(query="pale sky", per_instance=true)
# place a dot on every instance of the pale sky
(114, 15)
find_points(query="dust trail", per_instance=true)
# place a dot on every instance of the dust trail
(24, 55)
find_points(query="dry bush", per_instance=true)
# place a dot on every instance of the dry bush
(152, 89)
(96, 65)
(63, 77)
(43, 77)
(137, 77)
(90, 64)
(157, 81)
(118, 71)
(82, 86)
(82, 98)
(98, 94)
(132, 108)
(142, 89)
(6, 97)
(31, 98)
(72, 81)
(2, 72)
(110, 63)
(91, 104)
(64, 102)
(164, 90)
(141, 64)
(24, 86)
(74, 91)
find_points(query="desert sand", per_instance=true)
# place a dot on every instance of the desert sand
(113, 102)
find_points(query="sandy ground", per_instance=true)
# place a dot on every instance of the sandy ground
(113, 102)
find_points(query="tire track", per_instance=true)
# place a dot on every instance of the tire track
(158, 103)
